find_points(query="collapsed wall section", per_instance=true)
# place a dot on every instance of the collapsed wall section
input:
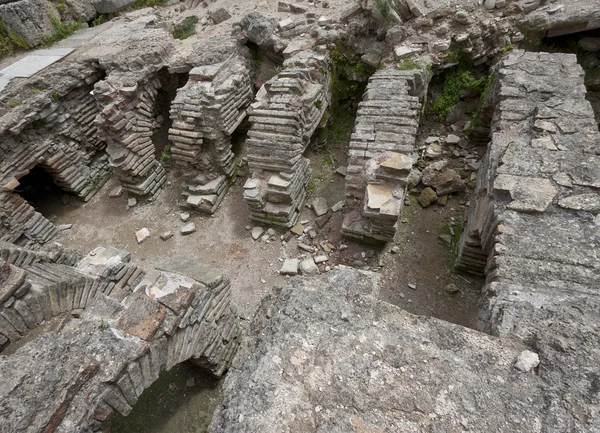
(58, 135)
(205, 113)
(533, 226)
(285, 114)
(131, 325)
(382, 152)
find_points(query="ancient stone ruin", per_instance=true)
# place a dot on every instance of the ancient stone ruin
(358, 216)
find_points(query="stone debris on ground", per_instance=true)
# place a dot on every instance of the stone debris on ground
(166, 236)
(308, 267)
(188, 228)
(319, 205)
(116, 192)
(142, 234)
(257, 232)
(289, 267)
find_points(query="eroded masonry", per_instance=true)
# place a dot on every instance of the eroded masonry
(207, 151)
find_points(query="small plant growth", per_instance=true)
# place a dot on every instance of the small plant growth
(456, 80)
(385, 10)
(140, 4)
(10, 41)
(186, 29)
(409, 65)
(165, 155)
(62, 29)
(98, 20)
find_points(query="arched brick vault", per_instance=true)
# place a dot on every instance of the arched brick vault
(135, 324)
(59, 135)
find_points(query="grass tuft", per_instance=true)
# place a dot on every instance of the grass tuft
(62, 29)
(456, 80)
(186, 29)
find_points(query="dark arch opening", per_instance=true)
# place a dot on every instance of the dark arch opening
(182, 400)
(162, 106)
(40, 191)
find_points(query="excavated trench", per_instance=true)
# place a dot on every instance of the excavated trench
(417, 274)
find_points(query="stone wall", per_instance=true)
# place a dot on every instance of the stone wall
(205, 113)
(54, 132)
(287, 110)
(126, 326)
(533, 228)
(126, 123)
(382, 152)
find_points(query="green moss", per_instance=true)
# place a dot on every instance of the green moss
(10, 41)
(140, 4)
(385, 10)
(409, 65)
(186, 29)
(56, 96)
(255, 66)
(456, 80)
(14, 103)
(476, 116)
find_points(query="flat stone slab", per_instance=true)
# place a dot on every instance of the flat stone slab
(585, 202)
(378, 195)
(116, 192)
(322, 332)
(251, 183)
(257, 232)
(298, 229)
(141, 235)
(290, 267)
(4, 82)
(320, 206)
(34, 63)
(398, 162)
(188, 229)
(338, 206)
(529, 194)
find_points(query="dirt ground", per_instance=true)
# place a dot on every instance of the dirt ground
(224, 241)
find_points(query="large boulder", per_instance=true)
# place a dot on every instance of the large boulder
(332, 358)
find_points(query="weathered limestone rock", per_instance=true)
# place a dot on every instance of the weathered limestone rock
(324, 352)
(136, 324)
(30, 19)
(381, 154)
(569, 17)
(287, 110)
